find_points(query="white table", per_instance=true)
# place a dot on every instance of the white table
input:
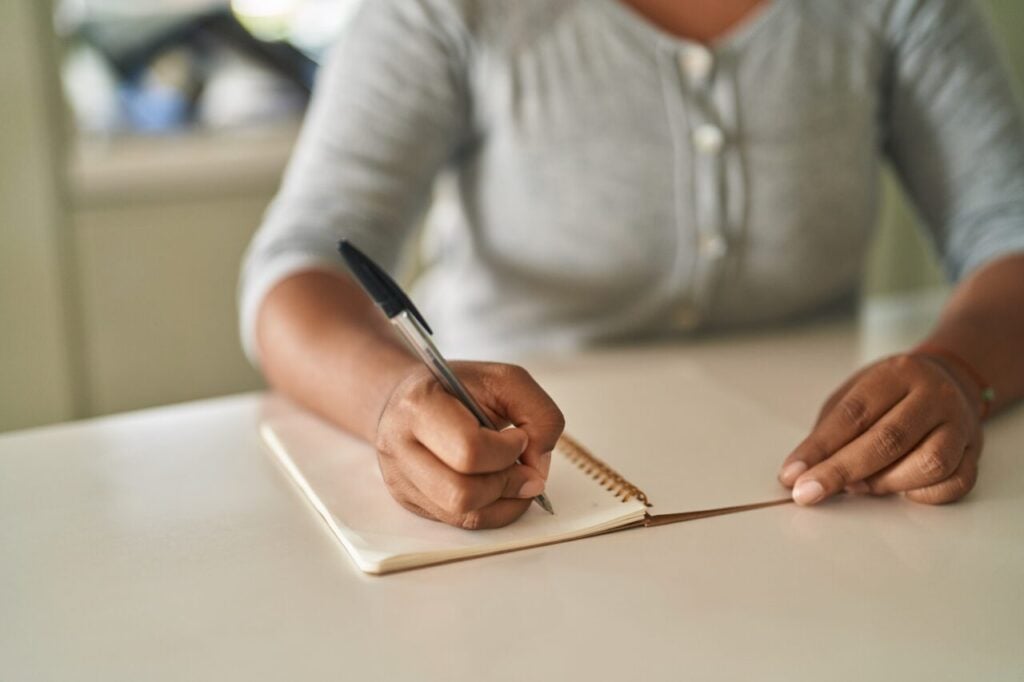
(166, 545)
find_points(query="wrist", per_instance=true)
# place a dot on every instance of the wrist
(400, 371)
(974, 386)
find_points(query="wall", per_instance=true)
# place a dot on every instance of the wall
(36, 367)
(160, 226)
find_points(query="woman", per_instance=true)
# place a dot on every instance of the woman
(630, 168)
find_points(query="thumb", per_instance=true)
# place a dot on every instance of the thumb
(519, 481)
(521, 400)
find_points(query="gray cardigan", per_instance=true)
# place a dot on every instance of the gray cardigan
(614, 181)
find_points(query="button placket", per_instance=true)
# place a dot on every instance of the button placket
(702, 143)
(708, 142)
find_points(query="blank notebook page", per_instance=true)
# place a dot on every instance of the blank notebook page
(677, 433)
(340, 477)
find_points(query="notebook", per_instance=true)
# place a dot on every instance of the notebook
(690, 449)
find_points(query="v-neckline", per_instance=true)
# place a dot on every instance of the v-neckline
(750, 24)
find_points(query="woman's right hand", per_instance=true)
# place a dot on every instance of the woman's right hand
(438, 461)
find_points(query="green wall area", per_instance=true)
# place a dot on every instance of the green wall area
(901, 258)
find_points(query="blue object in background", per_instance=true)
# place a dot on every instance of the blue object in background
(153, 108)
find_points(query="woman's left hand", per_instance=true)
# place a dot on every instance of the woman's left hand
(906, 424)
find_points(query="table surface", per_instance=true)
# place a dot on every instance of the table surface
(166, 545)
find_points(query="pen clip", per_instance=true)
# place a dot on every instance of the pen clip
(378, 284)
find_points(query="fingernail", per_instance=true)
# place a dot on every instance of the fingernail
(808, 492)
(791, 471)
(526, 444)
(858, 488)
(545, 464)
(531, 488)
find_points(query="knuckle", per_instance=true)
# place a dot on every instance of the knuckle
(890, 442)
(854, 410)
(935, 465)
(392, 436)
(950, 490)
(384, 443)
(500, 370)
(506, 374)
(557, 419)
(841, 471)
(904, 363)
(472, 520)
(458, 499)
(516, 372)
(960, 486)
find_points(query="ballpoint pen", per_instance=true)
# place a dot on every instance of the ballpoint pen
(401, 312)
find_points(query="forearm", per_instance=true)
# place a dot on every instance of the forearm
(324, 344)
(983, 323)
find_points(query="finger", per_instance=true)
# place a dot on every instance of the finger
(544, 464)
(932, 461)
(860, 407)
(794, 465)
(495, 515)
(837, 394)
(403, 490)
(954, 487)
(891, 437)
(449, 430)
(458, 493)
(511, 392)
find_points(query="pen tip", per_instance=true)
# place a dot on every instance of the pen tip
(544, 503)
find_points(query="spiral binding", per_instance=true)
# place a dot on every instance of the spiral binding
(609, 478)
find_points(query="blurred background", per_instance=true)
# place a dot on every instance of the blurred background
(140, 141)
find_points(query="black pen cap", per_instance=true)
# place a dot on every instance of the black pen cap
(378, 284)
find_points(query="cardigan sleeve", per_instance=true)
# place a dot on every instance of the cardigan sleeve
(954, 131)
(389, 110)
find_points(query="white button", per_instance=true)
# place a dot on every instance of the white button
(712, 245)
(696, 61)
(708, 138)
